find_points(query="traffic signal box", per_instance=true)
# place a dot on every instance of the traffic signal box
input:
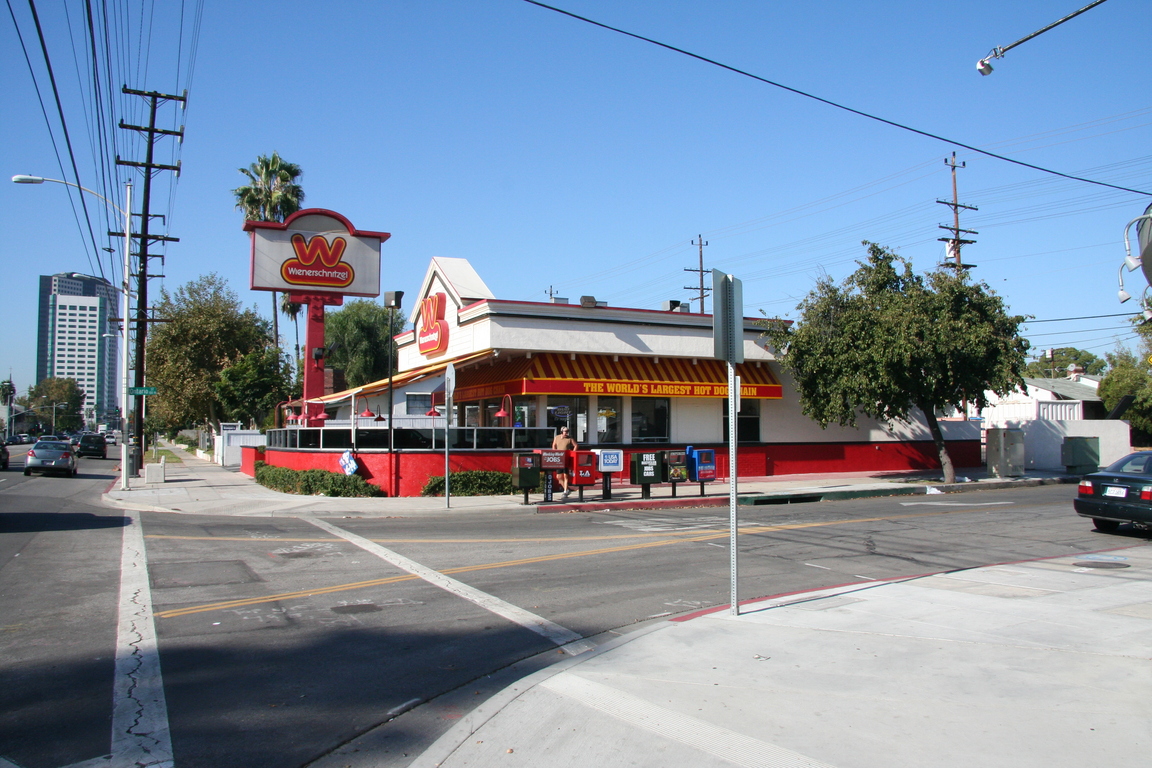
(525, 472)
(645, 469)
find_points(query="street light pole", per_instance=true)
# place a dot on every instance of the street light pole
(125, 291)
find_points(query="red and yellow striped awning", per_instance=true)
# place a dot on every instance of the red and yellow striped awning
(553, 373)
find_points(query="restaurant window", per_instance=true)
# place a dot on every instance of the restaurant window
(747, 421)
(417, 405)
(569, 411)
(651, 420)
(608, 419)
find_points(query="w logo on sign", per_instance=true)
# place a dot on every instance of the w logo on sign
(318, 246)
(331, 272)
(433, 335)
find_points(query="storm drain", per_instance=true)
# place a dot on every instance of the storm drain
(356, 608)
(799, 498)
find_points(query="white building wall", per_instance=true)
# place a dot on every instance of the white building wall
(697, 420)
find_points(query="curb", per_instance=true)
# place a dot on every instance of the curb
(445, 746)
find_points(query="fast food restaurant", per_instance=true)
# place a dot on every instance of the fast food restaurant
(636, 379)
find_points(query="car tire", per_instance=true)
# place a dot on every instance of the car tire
(1105, 526)
(27, 473)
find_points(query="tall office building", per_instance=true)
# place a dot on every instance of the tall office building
(76, 340)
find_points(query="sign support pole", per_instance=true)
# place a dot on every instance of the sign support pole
(728, 345)
(449, 388)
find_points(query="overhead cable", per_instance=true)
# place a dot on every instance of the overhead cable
(830, 103)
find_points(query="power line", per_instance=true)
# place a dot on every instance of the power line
(806, 95)
(1085, 317)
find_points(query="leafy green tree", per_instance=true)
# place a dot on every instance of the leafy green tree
(250, 388)
(1062, 357)
(273, 193)
(44, 396)
(889, 341)
(358, 336)
(207, 331)
(1128, 375)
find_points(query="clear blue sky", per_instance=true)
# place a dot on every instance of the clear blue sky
(551, 153)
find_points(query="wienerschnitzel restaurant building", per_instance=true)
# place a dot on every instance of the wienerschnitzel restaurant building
(637, 379)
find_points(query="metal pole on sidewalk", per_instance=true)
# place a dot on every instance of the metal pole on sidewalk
(125, 290)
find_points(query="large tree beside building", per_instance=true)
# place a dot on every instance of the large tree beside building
(888, 342)
(62, 396)
(1054, 363)
(206, 331)
(273, 193)
(358, 336)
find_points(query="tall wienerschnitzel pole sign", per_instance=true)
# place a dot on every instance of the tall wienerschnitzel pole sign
(318, 258)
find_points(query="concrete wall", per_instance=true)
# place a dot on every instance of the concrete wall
(1043, 440)
(227, 445)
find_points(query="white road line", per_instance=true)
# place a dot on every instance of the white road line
(711, 739)
(140, 735)
(571, 642)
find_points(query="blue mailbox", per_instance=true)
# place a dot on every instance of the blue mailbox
(701, 464)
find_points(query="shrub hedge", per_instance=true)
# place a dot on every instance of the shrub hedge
(475, 482)
(313, 482)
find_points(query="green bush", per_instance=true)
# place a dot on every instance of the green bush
(313, 482)
(476, 482)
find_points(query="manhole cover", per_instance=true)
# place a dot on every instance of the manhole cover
(357, 608)
(1100, 564)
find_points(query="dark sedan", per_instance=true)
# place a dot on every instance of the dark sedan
(92, 445)
(1122, 493)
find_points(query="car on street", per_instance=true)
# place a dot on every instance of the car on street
(51, 456)
(1119, 493)
(92, 445)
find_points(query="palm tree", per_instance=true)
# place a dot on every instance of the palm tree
(292, 309)
(272, 194)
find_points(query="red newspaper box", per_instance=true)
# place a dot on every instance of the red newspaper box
(584, 471)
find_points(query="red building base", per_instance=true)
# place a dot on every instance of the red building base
(414, 469)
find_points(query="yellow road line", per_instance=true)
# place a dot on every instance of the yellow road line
(694, 536)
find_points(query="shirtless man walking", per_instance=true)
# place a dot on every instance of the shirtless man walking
(563, 442)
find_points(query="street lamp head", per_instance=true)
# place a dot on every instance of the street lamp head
(21, 179)
(984, 67)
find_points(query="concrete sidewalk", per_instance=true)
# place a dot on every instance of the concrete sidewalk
(1043, 663)
(196, 486)
(1036, 664)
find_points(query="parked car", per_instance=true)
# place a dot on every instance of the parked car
(1120, 493)
(92, 445)
(51, 456)
(3, 456)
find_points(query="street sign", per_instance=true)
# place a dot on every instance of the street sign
(133, 391)
(727, 317)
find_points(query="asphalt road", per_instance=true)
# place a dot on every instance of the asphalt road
(282, 639)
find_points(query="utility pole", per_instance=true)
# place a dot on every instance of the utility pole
(955, 242)
(144, 237)
(699, 242)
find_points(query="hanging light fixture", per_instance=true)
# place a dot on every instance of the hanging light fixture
(367, 414)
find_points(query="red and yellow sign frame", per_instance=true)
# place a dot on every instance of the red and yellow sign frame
(607, 375)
